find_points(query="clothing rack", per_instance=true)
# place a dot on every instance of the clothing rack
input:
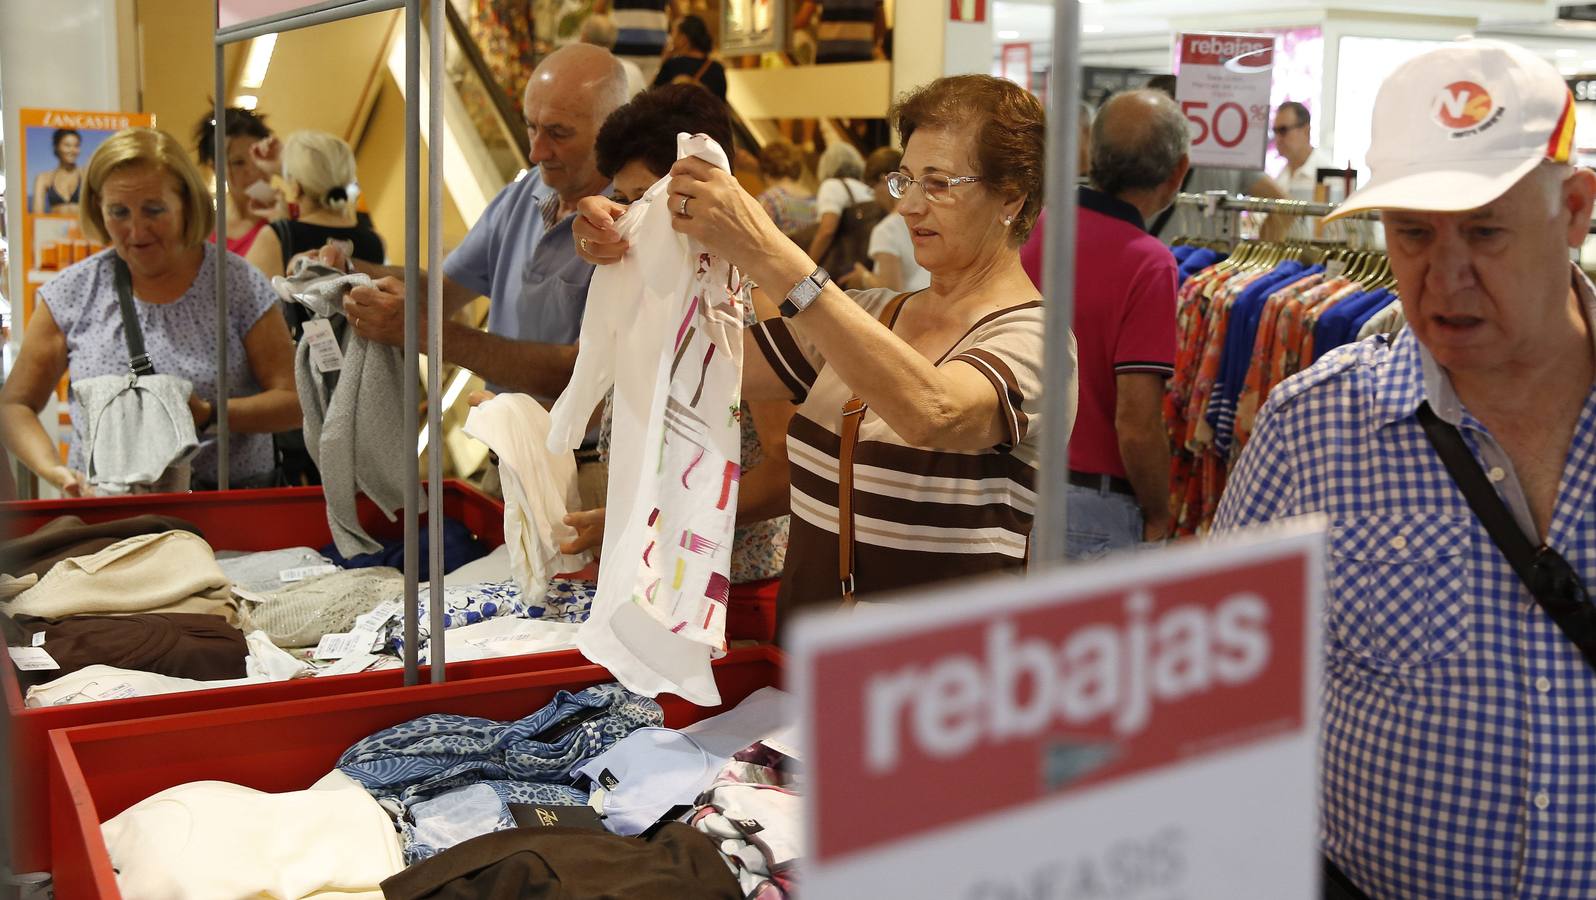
(1214, 202)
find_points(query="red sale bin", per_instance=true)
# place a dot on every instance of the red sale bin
(231, 520)
(97, 771)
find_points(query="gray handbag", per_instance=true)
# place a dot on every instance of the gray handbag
(136, 430)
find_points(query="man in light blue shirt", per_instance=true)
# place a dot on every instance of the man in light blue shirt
(520, 254)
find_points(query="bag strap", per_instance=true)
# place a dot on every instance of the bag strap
(698, 77)
(852, 414)
(1568, 608)
(138, 360)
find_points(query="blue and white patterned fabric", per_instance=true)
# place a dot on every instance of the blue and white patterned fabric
(1458, 722)
(468, 604)
(439, 752)
(435, 825)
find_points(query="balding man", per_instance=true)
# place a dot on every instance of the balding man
(1125, 282)
(520, 254)
(1459, 705)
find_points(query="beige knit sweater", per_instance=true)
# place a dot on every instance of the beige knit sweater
(170, 572)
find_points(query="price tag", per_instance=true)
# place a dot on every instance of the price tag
(38, 640)
(1223, 90)
(289, 576)
(338, 646)
(374, 620)
(119, 691)
(354, 662)
(325, 354)
(32, 659)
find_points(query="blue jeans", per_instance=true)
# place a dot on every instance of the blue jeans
(1100, 522)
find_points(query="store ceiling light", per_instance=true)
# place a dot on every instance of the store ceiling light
(258, 61)
(246, 101)
(1008, 35)
(1092, 29)
(1566, 52)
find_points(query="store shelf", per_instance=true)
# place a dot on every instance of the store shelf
(97, 771)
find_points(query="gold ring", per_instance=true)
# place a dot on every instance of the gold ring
(682, 210)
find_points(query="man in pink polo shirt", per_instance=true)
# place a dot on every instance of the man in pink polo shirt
(1125, 282)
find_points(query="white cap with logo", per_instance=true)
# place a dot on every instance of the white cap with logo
(1458, 126)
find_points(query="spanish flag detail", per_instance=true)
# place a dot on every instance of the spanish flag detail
(1561, 147)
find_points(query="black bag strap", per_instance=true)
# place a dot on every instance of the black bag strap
(1549, 578)
(138, 360)
(1169, 211)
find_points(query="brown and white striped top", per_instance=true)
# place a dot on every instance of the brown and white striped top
(920, 515)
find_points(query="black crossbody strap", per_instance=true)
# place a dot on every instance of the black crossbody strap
(138, 360)
(1570, 609)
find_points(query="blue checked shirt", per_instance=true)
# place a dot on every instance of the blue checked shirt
(1459, 724)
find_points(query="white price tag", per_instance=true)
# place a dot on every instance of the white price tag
(1223, 90)
(289, 576)
(32, 659)
(119, 691)
(354, 662)
(38, 640)
(338, 646)
(378, 617)
(325, 354)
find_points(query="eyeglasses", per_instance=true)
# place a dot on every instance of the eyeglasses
(935, 185)
(1283, 130)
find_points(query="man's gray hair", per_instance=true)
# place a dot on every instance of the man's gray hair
(1138, 140)
(612, 90)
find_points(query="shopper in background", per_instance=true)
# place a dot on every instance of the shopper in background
(891, 247)
(1298, 175)
(847, 210)
(1202, 179)
(950, 378)
(1458, 715)
(146, 198)
(319, 184)
(56, 192)
(1125, 282)
(788, 203)
(690, 60)
(845, 30)
(643, 28)
(251, 201)
(599, 30)
(521, 253)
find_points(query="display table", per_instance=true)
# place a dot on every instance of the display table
(231, 520)
(97, 771)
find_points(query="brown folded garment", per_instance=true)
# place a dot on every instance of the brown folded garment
(183, 645)
(571, 864)
(68, 536)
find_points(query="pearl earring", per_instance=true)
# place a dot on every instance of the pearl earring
(1007, 221)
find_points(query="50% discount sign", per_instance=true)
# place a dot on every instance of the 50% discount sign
(1223, 89)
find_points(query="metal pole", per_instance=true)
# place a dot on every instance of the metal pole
(435, 42)
(335, 12)
(223, 383)
(412, 320)
(1063, 91)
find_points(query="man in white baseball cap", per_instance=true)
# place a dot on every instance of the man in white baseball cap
(1459, 713)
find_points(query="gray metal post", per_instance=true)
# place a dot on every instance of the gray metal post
(223, 383)
(1063, 93)
(412, 320)
(435, 43)
(335, 11)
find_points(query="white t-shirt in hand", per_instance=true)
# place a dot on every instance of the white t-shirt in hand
(837, 194)
(891, 235)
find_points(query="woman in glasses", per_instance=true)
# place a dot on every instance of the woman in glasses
(931, 472)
